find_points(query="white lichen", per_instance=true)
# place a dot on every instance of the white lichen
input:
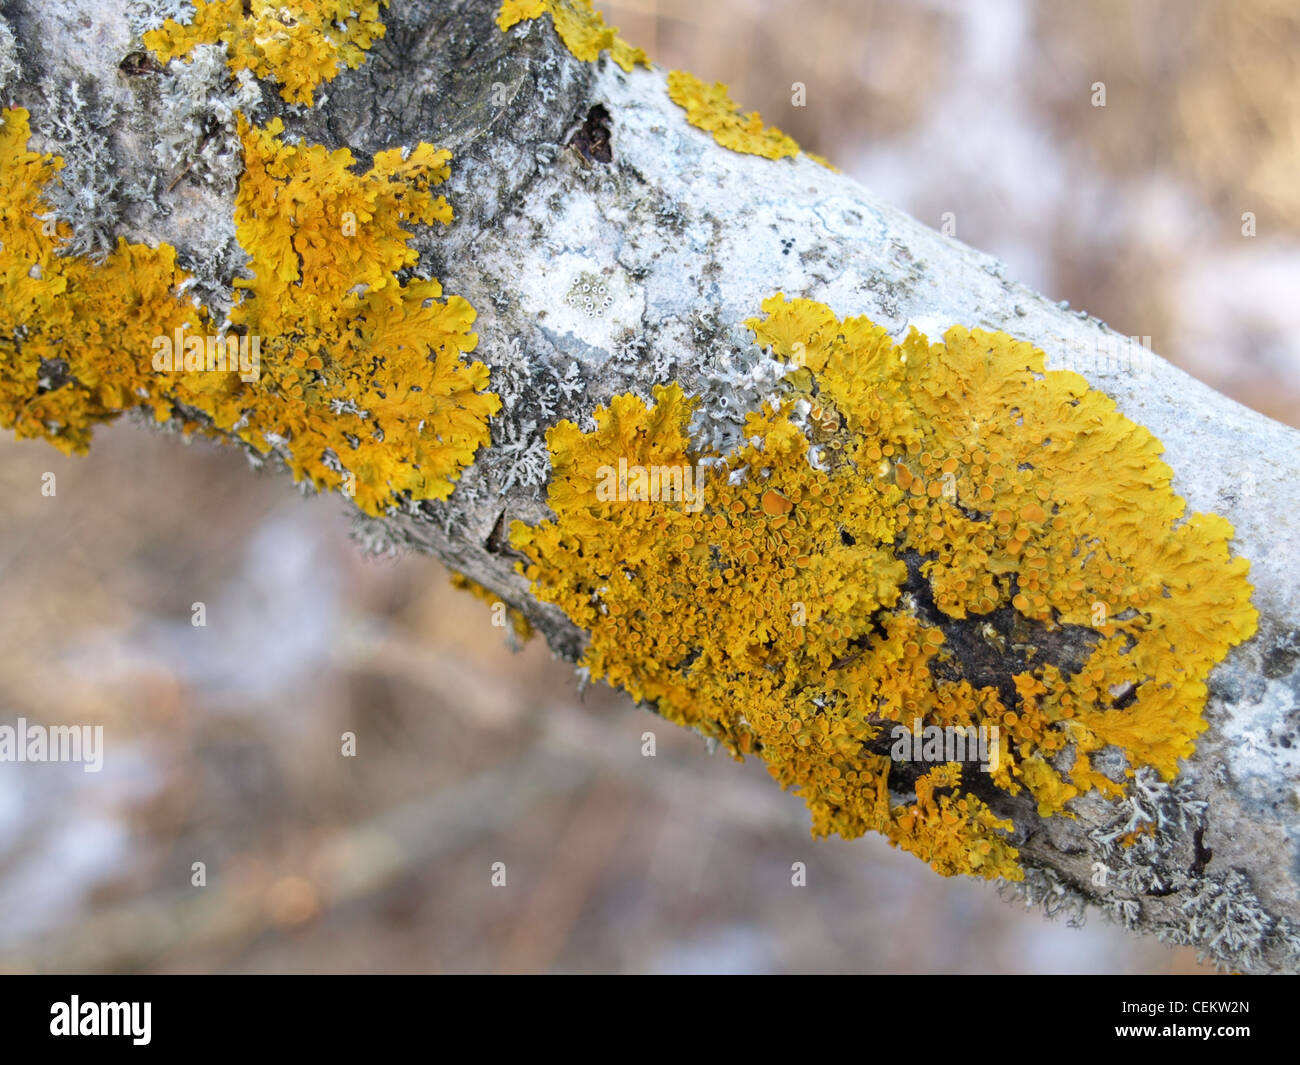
(375, 537)
(1044, 889)
(522, 458)
(213, 258)
(1151, 802)
(1225, 921)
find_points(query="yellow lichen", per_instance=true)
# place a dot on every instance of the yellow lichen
(808, 615)
(75, 337)
(1146, 828)
(299, 43)
(821, 160)
(581, 28)
(358, 378)
(341, 331)
(521, 626)
(710, 108)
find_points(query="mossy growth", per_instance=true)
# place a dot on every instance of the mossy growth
(896, 500)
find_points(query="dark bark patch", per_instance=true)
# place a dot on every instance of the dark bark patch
(139, 64)
(1282, 658)
(1203, 853)
(592, 139)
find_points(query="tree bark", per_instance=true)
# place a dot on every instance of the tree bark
(687, 239)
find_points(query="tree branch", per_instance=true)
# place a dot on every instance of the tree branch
(608, 246)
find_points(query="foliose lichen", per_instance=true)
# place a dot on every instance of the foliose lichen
(8, 56)
(87, 196)
(915, 535)
(146, 15)
(582, 29)
(710, 108)
(322, 355)
(298, 43)
(198, 118)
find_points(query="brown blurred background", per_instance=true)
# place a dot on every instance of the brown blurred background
(224, 741)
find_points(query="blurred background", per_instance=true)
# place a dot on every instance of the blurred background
(224, 741)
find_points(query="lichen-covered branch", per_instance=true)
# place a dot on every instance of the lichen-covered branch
(729, 432)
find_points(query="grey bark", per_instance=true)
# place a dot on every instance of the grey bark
(687, 239)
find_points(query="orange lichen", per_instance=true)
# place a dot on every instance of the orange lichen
(581, 28)
(299, 43)
(710, 108)
(521, 626)
(1130, 838)
(807, 614)
(339, 329)
(75, 337)
(358, 383)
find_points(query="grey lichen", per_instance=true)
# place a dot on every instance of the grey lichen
(144, 15)
(89, 194)
(1151, 804)
(535, 394)
(736, 376)
(9, 68)
(213, 259)
(1125, 911)
(1149, 874)
(1226, 923)
(521, 458)
(1044, 889)
(374, 537)
(197, 118)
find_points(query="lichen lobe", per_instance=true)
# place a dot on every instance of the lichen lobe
(782, 616)
(349, 363)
